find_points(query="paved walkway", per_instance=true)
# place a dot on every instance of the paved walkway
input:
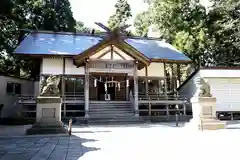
(134, 142)
(13, 130)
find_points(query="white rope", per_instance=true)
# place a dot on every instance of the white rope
(101, 81)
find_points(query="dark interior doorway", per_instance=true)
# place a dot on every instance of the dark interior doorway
(100, 91)
(111, 91)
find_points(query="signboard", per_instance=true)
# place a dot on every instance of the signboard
(117, 67)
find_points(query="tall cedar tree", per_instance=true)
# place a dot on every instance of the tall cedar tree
(54, 15)
(121, 15)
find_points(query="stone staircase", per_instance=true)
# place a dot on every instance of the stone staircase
(120, 94)
(109, 112)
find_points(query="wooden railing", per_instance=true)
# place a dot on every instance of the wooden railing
(150, 109)
(67, 97)
(152, 96)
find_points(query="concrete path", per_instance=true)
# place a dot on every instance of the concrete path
(132, 142)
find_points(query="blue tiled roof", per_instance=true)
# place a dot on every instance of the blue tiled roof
(70, 44)
(157, 49)
(56, 44)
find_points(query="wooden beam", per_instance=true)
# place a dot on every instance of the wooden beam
(171, 61)
(112, 52)
(126, 48)
(119, 54)
(103, 54)
(91, 51)
(110, 61)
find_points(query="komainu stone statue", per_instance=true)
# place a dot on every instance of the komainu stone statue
(203, 88)
(49, 87)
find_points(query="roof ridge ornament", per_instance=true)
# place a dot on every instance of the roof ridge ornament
(116, 32)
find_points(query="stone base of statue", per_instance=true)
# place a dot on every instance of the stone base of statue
(204, 114)
(48, 119)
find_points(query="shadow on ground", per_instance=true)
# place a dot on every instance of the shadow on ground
(45, 147)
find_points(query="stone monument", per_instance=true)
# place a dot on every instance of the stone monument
(48, 114)
(204, 108)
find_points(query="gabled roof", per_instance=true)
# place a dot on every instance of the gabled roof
(66, 44)
(119, 43)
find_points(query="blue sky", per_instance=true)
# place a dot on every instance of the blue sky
(90, 11)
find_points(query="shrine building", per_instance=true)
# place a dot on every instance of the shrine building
(104, 75)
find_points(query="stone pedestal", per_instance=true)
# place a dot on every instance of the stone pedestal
(204, 114)
(48, 117)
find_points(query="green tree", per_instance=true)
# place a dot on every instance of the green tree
(181, 23)
(80, 27)
(224, 33)
(142, 23)
(55, 15)
(209, 37)
(121, 15)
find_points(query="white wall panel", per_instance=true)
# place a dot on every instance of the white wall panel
(71, 69)
(223, 73)
(156, 70)
(52, 66)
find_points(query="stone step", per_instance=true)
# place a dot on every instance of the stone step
(115, 120)
(117, 107)
(110, 105)
(110, 115)
(110, 111)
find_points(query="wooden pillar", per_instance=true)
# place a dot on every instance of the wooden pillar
(167, 110)
(63, 87)
(165, 81)
(178, 75)
(146, 80)
(127, 87)
(86, 90)
(172, 78)
(159, 87)
(63, 95)
(184, 109)
(135, 78)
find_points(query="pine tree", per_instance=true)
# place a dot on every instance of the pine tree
(121, 15)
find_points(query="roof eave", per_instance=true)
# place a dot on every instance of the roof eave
(171, 61)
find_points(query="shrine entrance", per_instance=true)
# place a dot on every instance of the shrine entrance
(109, 87)
(102, 93)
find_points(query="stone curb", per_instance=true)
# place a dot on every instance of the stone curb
(35, 136)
